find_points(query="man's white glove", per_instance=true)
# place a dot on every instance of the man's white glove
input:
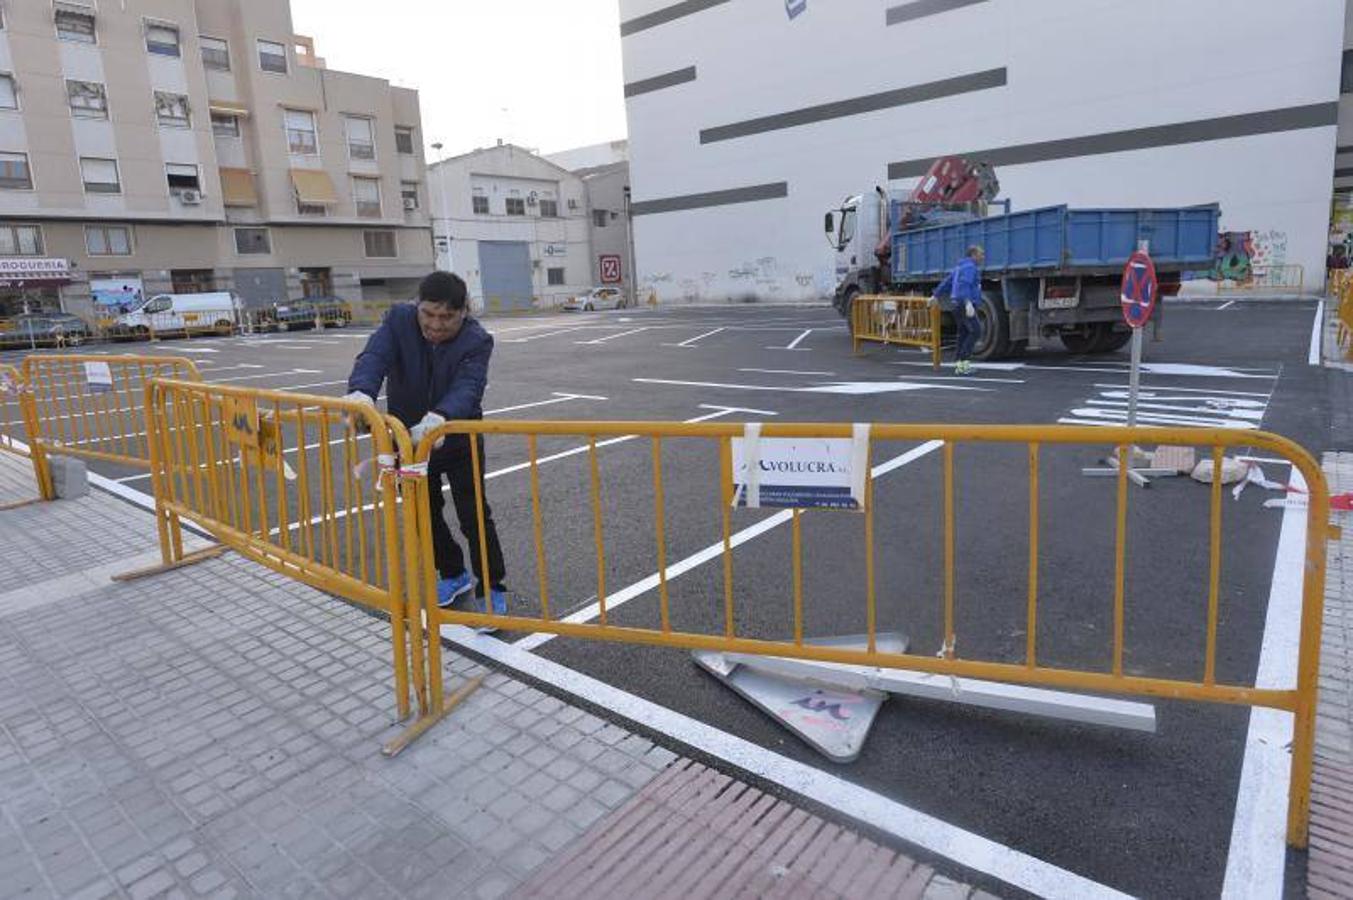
(431, 422)
(933, 302)
(359, 423)
(969, 310)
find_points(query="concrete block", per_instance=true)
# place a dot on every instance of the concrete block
(69, 477)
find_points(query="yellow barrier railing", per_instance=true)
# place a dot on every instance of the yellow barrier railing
(305, 485)
(1342, 287)
(91, 407)
(1022, 666)
(13, 438)
(911, 321)
(1287, 277)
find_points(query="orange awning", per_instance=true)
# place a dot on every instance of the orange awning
(237, 187)
(314, 186)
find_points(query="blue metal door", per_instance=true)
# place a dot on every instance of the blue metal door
(505, 272)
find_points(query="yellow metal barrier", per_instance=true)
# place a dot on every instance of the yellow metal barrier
(911, 321)
(1288, 277)
(91, 407)
(12, 425)
(307, 486)
(1021, 666)
(1345, 312)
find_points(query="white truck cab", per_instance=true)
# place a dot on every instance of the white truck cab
(217, 311)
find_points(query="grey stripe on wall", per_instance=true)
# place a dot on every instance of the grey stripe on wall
(666, 14)
(1343, 173)
(658, 82)
(1346, 148)
(917, 93)
(1266, 122)
(922, 8)
(773, 191)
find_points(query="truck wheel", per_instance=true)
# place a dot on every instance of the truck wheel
(141, 333)
(225, 328)
(1086, 341)
(847, 309)
(1115, 340)
(994, 341)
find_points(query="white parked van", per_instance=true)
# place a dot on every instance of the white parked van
(217, 311)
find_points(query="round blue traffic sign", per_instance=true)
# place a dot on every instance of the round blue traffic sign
(1139, 289)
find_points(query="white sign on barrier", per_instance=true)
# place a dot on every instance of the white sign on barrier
(98, 377)
(800, 473)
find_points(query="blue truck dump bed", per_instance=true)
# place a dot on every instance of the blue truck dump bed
(1057, 239)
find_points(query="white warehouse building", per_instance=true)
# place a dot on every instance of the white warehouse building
(749, 119)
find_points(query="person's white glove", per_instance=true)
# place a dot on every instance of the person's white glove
(360, 424)
(933, 302)
(969, 310)
(431, 422)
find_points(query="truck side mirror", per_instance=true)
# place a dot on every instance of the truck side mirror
(829, 224)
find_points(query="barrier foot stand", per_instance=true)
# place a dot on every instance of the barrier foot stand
(189, 559)
(424, 723)
(1138, 476)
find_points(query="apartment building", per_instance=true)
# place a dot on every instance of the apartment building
(149, 146)
(513, 225)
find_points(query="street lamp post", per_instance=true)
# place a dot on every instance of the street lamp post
(440, 216)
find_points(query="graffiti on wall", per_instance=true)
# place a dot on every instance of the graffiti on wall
(1243, 256)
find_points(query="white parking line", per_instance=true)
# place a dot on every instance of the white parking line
(612, 337)
(1225, 305)
(794, 344)
(788, 372)
(536, 337)
(266, 375)
(713, 551)
(1317, 333)
(690, 342)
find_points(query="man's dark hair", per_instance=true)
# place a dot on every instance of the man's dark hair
(445, 288)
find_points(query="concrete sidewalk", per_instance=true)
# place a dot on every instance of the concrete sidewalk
(216, 731)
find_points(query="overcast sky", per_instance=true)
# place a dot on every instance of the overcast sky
(544, 74)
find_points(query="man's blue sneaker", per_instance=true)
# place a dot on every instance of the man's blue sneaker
(448, 589)
(499, 597)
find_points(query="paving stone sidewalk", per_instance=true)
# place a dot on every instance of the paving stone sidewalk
(216, 731)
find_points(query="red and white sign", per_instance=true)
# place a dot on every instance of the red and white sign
(610, 269)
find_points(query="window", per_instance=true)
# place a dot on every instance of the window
(404, 139)
(182, 177)
(272, 57)
(408, 190)
(1346, 74)
(554, 277)
(14, 172)
(20, 240)
(301, 139)
(599, 218)
(516, 206)
(380, 244)
(252, 241)
(225, 126)
(75, 24)
(366, 193)
(481, 204)
(88, 99)
(311, 209)
(215, 53)
(361, 142)
(108, 240)
(172, 109)
(100, 175)
(162, 39)
(549, 209)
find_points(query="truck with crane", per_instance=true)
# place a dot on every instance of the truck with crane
(1050, 274)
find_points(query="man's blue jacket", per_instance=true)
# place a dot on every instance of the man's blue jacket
(447, 378)
(963, 284)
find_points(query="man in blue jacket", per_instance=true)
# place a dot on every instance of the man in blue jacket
(435, 357)
(964, 287)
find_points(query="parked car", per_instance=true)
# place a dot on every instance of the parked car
(333, 312)
(217, 311)
(597, 298)
(55, 329)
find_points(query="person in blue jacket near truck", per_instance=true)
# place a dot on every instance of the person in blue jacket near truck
(964, 287)
(435, 357)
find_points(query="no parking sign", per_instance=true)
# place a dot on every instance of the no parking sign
(1139, 289)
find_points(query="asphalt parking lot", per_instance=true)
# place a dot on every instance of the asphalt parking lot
(1148, 814)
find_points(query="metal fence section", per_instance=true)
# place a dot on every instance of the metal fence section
(1341, 287)
(13, 437)
(92, 407)
(910, 321)
(1020, 664)
(305, 485)
(1290, 277)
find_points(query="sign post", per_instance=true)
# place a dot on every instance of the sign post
(1138, 296)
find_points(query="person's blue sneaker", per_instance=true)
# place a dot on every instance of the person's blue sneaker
(448, 589)
(499, 597)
